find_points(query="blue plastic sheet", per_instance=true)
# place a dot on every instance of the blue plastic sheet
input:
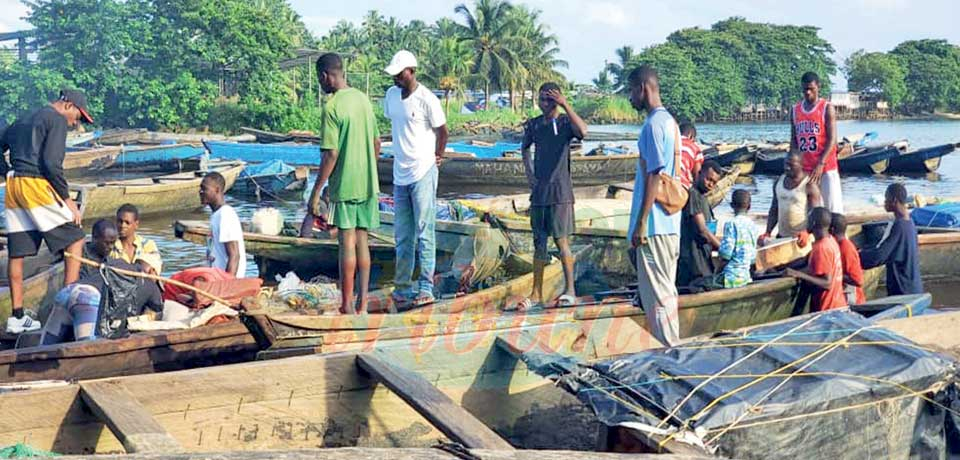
(270, 168)
(946, 215)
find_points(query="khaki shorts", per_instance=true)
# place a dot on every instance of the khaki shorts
(348, 215)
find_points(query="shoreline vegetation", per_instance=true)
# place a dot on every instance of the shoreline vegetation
(250, 64)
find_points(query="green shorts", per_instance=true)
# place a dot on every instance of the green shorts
(348, 215)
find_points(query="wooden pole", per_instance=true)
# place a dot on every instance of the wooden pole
(152, 277)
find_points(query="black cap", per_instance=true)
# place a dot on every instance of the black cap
(77, 98)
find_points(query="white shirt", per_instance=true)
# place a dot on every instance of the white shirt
(225, 227)
(414, 142)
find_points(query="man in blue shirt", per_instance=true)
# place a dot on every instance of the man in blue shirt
(654, 233)
(900, 249)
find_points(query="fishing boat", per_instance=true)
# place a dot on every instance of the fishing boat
(920, 161)
(273, 179)
(769, 161)
(741, 158)
(268, 137)
(867, 368)
(151, 195)
(297, 154)
(121, 136)
(370, 384)
(139, 353)
(308, 257)
(42, 278)
(868, 161)
(85, 158)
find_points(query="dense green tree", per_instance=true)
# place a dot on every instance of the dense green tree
(932, 74)
(682, 87)
(877, 73)
(621, 69)
(603, 83)
(488, 30)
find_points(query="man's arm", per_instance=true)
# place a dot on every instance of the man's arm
(793, 133)
(577, 124)
(442, 136)
(814, 200)
(233, 257)
(705, 232)
(773, 215)
(326, 170)
(650, 190)
(831, 122)
(822, 282)
(527, 155)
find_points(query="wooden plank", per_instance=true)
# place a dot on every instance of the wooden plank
(451, 419)
(367, 453)
(129, 421)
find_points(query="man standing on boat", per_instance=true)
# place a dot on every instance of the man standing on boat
(38, 205)
(654, 233)
(350, 145)
(813, 131)
(900, 248)
(551, 194)
(419, 139)
(794, 196)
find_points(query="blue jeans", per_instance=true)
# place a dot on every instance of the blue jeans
(414, 227)
(75, 309)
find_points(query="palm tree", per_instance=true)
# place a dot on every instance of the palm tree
(538, 53)
(603, 83)
(448, 65)
(489, 33)
(620, 70)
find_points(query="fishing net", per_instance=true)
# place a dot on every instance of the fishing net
(20, 450)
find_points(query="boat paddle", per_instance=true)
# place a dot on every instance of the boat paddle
(152, 277)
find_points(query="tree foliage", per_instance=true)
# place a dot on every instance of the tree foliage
(715, 72)
(932, 78)
(878, 74)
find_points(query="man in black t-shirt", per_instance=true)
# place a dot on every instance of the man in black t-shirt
(551, 197)
(697, 241)
(37, 205)
(98, 305)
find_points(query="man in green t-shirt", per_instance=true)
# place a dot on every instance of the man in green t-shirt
(350, 147)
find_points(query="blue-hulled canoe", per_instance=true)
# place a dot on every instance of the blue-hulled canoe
(920, 161)
(289, 153)
(897, 306)
(869, 161)
(135, 157)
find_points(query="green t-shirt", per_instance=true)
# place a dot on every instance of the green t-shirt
(350, 128)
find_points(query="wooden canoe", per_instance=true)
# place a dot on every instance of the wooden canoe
(159, 158)
(741, 158)
(920, 161)
(463, 362)
(43, 278)
(152, 195)
(308, 257)
(769, 162)
(868, 161)
(268, 137)
(140, 353)
(267, 186)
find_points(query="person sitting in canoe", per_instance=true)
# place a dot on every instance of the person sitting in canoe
(37, 205)
(899, 249)
(131, 247)
(551, 187)
(225, 248)
(850, 258)
(98, 304)
(823, 276)
(697, 240)
(691, 157)
(738, 246)
(794, 196)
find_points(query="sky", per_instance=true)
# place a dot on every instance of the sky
(590, 30)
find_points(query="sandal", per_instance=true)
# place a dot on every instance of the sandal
(563, 301)
(525, 304)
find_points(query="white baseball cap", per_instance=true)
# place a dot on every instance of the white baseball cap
(402, 60)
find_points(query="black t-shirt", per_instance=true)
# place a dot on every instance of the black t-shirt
(551, 161)
(694, 249)
(37, 146)
(900, 251)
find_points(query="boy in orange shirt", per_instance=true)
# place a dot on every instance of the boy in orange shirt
(824, 273)
(850, 257)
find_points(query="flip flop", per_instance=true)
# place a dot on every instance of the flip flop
(565, 300)
(525, 304)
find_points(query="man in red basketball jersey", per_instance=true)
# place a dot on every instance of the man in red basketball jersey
(813, 131)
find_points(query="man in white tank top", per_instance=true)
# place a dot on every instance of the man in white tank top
(794, 196)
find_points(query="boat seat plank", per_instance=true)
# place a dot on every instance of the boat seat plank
(451, 419)
(129, 421)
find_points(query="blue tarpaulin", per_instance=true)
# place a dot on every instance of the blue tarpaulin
(270, 168)
(946, 215)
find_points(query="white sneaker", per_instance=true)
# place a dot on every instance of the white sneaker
(20, 325)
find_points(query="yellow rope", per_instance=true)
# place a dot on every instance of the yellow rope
(780, 385)
(814, 354)
(805, 344)
(697, 388)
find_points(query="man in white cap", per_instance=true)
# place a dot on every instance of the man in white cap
(419, 139)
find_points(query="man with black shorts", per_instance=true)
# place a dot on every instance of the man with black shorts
(38, 204)
(551, 197)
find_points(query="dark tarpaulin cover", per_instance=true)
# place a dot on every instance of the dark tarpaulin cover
(850, 401)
